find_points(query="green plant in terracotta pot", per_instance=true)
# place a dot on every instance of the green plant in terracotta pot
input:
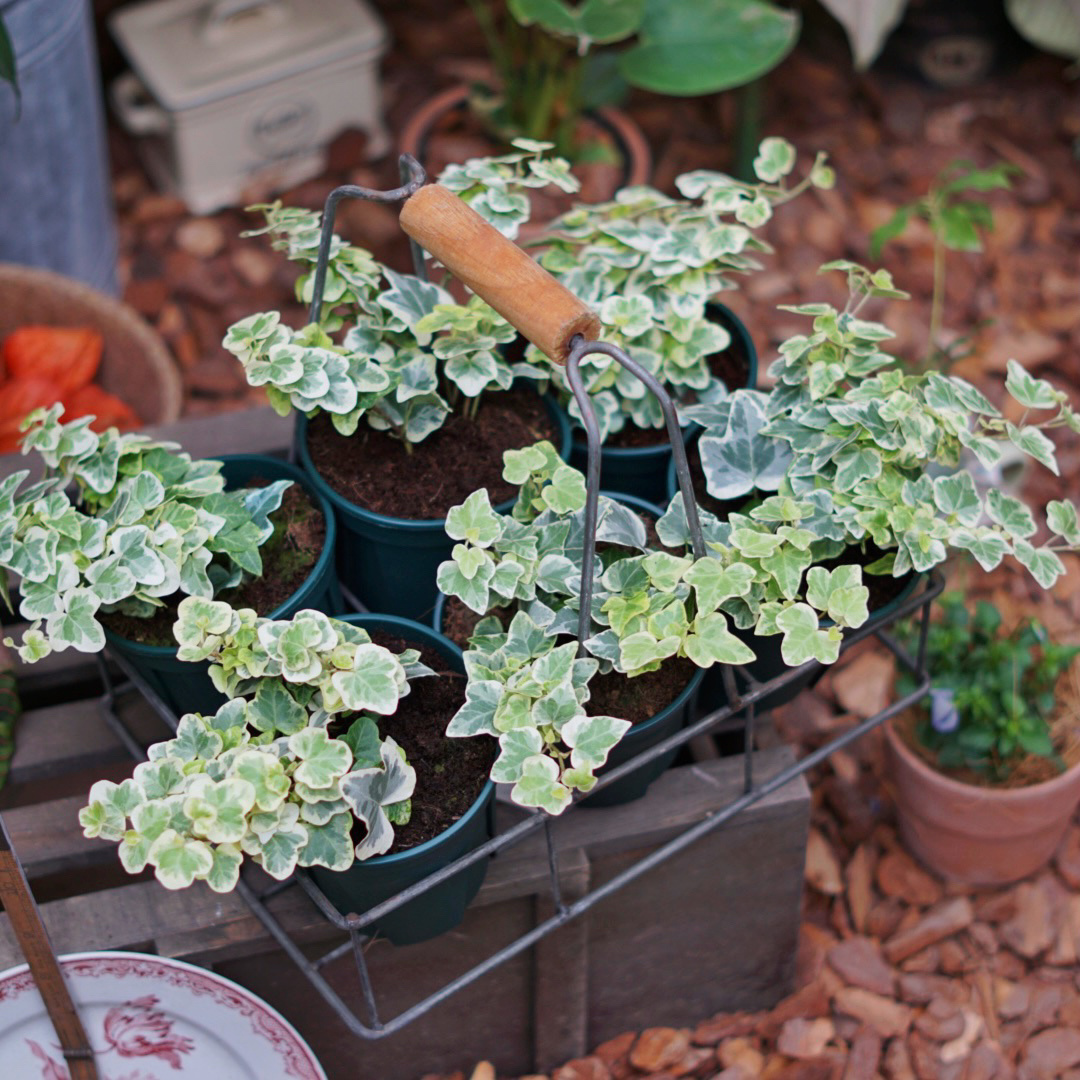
(404, 398)
(986, 773)
(300, 768)
(121, 527)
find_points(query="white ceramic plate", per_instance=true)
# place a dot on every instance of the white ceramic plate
(150, 1018)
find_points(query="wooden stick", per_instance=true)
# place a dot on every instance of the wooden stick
(498, 271)
(34, 941)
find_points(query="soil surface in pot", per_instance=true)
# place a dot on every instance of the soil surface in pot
(288, 558)
(731, 366)
(1030, 769)
(373, 469)
(642, 697)
(450, 773)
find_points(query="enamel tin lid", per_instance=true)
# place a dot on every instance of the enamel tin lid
(193, 52)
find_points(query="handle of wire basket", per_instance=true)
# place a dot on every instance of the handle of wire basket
(578, 352)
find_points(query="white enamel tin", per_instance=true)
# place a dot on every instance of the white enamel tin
(235, 99)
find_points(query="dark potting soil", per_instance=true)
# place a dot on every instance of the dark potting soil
(639, 698)
(731, 365)
(288, 558)
(450, 773)
(373, 469)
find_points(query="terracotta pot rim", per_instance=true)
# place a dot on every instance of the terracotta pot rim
(638, 167)
(928, 772)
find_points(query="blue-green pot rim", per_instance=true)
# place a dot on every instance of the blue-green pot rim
(351, 509)
(137, 648)
(734, 326)
(432, 637)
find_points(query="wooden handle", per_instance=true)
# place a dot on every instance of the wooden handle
(498, 271)
(33, 939)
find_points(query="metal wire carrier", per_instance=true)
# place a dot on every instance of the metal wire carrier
(742, 691)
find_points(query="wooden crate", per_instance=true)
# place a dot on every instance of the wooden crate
(713, 928)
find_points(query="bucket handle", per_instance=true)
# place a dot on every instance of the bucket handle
(580, 348)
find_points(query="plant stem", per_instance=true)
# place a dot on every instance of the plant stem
(937, 300)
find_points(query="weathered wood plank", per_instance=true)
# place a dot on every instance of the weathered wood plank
(61, 738)
(561, 975)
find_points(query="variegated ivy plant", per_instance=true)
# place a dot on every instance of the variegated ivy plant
(527, 687)
(264, 776)
(649, 264)
(880, 449)
(118, 523)
(389, 348)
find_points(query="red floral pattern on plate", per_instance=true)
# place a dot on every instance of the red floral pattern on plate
(138, 1028)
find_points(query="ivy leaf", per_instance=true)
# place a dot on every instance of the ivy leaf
(370, 791)
(322, 759)
(225, 872)
(218, 811)
(266, 775)
(988, 546)
(775, 159)
(566, 492)
(375, 682)
(1062, 519)
(74, 625)
(275, 710)
(854, 464)
(786, 566)
(642, 651)
(956, 496)
(474, 521)
(178, 861)
(1010, 513)
(477, 715)
(713, 643)
(803, 639)
(410, 299)
(1032, 393)
(1032, 441)
(741, 458)
(1043, 563)
(329, 844)
(539, 786)
(715, 583)
(473, 592)
(516, 747)
(592, 738)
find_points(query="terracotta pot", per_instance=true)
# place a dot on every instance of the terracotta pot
(977, 835)
(635, 150)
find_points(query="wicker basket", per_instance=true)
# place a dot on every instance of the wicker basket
(135, 365)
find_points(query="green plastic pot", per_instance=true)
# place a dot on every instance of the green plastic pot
(643, 470)
(641, 737)
(389, 563)
(368, 883)
(186, 687)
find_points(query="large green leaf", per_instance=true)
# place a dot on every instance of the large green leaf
(690, 47)
(602, 21)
